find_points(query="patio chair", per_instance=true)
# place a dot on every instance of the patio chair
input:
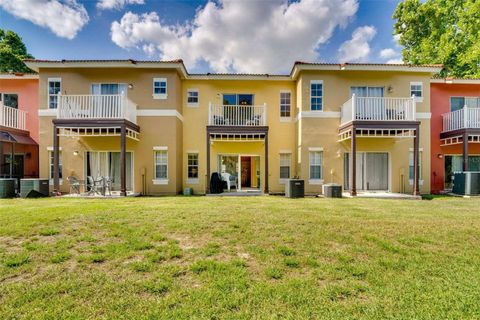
(74, 185)
(95, 186)
(108, 185)
(230, 179)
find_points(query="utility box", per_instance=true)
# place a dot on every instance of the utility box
(34, 188)
(332, 190)
(187, 191)
(466, 183)
(7, 187)
(295, 188)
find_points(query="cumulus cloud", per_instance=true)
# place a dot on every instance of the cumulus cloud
(239, 36)
(395, 61)
(357, 49)
(116, 4)
(388, 53)
(63, 18)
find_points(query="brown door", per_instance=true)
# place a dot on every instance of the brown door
(246, 182)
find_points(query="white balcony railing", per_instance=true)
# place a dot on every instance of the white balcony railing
(237, 115)
(461, 119)
(12, 117)
(91, 106)
(378, 109)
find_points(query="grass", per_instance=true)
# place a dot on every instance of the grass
(237, 258)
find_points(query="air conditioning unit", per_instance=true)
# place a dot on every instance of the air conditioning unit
(295, 188)
(34, 188)
(466, 183)
(332, 190)
(7, 188)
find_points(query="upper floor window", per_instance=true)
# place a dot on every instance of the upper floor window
(316, 95)
(9, 100)
(159, 88)
(285, 104)
(238, 99)
(109, 88)
(192, 97)
(416, 89)
(54, 87)
(457, 103)
(361, 91)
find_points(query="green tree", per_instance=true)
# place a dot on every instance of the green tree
(12, 52)
(441, 31)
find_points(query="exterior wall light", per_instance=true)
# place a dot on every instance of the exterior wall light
(440, 156)
(75, 153)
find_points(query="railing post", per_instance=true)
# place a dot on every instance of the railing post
(2, 114)
(264, 113)
(354, 114)
(465, 116)
(210, 111)
(123, 105)
(59, 104)
(414, 108)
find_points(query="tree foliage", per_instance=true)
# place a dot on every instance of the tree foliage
(12, 52)
(441, 31)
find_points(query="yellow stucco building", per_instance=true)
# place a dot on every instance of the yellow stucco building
(153, 128)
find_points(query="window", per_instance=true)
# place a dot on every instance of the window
(416, 89)
(367, 91)
(159, 88)
(238, 99)
(410, 166)
(285, 104)
(161, 164)
(285, 160)
(50, 158)
(54, 87)
(316, 95)
(9, 100)
(316, 158)
(192, 166)
(109, 88)
(192, 98)
(457, 103)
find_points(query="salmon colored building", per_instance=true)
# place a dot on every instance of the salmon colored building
(19, 125)
(455, 125)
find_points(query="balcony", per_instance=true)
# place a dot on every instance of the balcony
(12, 117)
(466, 118)
(96, 107)
(237, 115)
(377, 109)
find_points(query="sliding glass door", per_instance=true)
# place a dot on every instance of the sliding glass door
(107, 164)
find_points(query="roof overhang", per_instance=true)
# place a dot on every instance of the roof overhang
(301, 66)
(456, 81)
(18, 76)
(178, 65)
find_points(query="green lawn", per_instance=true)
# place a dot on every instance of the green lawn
(237, 258)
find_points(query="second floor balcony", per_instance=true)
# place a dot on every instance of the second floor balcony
(96, 107)
(377, 109)
(465, 118)
(13, 117)
(237, 115)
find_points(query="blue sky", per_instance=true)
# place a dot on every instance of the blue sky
(358, 35)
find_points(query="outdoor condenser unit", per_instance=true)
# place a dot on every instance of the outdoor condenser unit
(466, 183)
(295, 188)
(32, 188)
(7, 187)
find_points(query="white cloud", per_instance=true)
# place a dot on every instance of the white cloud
(116, 4)
(357, 49)
(388, 53)
(395, 61)
(63, 18)
(240, 36)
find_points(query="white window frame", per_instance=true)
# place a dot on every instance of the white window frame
(420, 166)
(160, 95)
(311, 96)
(50, 165)
(310, 151)
(285, 118)
(193, 104)
(289, 154)
(48, 91)
(193, 180)
(157, 180)
(2, 98)
(417, 83)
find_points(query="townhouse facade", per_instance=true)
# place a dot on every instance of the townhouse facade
(455, 136)
(19, 126)
(154, 128)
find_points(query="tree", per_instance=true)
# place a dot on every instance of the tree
(12, 52)
(441, 31)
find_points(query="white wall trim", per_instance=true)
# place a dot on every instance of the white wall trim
(423, 115)
(51, 148)
(47, 112)
(315, 149)
(160, 181)
(160, 148)
(318, 114)
(159, 113)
